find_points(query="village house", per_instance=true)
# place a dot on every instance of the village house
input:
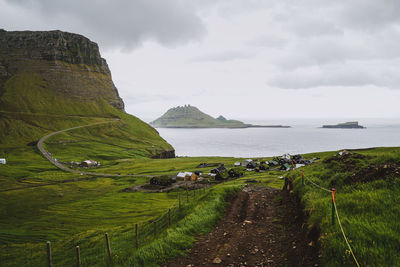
(246, 162)
(187, 176)
(2, 161)
(89, 163)
(219, 169)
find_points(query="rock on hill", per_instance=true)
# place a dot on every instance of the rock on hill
(53, 80)
(191, 117)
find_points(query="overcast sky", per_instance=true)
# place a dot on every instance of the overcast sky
(254, 59)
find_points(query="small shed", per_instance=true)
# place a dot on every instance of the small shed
(88, 163)
(300, 165)
(273, 163)
(285, 167)
(219, 169)
(246, 162)
(237, 164)
(3, 161)
(194, 177)
(251, 165)
(184, 176)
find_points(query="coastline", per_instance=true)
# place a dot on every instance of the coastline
(222, 127)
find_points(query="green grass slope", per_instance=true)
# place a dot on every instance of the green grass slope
(192, 117)
(30, 110)
(80, 212)
(367, 187)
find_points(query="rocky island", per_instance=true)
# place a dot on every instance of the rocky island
(345, 125)
(188, 116)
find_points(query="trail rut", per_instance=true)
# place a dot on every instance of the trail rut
(262, 227)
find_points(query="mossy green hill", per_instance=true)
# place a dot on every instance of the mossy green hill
(54, 80)
(191, 117)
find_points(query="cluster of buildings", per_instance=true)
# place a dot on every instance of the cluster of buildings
(284, 163)
(85, 164)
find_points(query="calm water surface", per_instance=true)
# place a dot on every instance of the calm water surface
(257, 142)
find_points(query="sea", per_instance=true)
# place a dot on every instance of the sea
(304, 136)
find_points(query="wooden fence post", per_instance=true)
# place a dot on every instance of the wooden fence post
(49, 263)
(108, 248)
(169, 218)
(136, 235)
(78, 256)
(155, 228)
(333, 206)
(285, 186)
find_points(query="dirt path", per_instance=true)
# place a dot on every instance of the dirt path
(263, 227)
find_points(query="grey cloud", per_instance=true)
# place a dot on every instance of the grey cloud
(121, 23)
(223, 56)
(319, 51)
(268, 40)
(328, 50)
(368, 15)
(309, 27)
(346, 75)
(147, 98)
(365, 15)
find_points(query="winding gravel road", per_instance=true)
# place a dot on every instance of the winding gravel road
(65, 168)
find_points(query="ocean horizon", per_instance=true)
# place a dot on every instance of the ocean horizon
(305, 136)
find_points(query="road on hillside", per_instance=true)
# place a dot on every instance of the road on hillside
(48, 156)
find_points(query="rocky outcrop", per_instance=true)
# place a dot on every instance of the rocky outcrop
(165, 154)
(70, 64)
(345, 125)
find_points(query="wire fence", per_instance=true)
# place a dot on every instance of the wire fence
(334, 213)
(102, 249)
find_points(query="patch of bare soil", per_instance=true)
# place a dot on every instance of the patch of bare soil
(262, 227)
(151, 188)
(375, 172)
(346, 157)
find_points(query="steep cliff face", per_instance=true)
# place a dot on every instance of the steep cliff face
(69, 64)
(55, 80)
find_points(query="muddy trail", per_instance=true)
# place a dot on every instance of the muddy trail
(262, 227)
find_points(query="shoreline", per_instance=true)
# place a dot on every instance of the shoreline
(227, 127)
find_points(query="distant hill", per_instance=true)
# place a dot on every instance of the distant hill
(191, 117)
(53, 80)
(345, 125)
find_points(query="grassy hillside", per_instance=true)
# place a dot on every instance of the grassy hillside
(192, 117)
(367, 183)
(30, 110)
(30, 93)
(81, 211)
